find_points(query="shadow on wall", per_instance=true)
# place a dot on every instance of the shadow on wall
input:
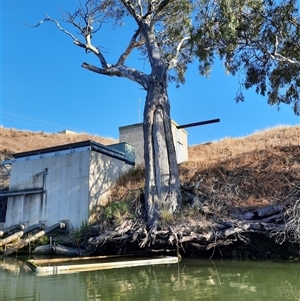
(104, 171)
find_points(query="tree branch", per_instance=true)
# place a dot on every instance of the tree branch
(156, 8)
(131, 9)
(140, 7)
(133, 43)
(162, 5)
(174, 60)
(96, 51)
(121, 71)
(280, 58)
(88, 46)
(58, 25)
(275, 55)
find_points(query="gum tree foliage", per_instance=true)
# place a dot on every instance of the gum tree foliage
(258, 40)
(161, 36)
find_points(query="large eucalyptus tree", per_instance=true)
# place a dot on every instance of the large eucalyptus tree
(259, 37)
(161, 34)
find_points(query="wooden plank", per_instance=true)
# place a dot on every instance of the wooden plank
(73, 268)
(59, 260)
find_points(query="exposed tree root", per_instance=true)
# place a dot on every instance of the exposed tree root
(247, 231)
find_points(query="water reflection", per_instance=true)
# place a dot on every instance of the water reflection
(189, 280)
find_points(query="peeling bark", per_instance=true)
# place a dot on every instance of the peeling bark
(162, 190)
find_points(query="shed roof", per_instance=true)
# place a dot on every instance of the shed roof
(71, 148)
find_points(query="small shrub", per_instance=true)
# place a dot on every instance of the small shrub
(44, 240)
(166, 217)
(115, 212)
(80, 233)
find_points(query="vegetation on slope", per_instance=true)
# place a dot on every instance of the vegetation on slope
(237, 192)
(254, 171)
(232, 189)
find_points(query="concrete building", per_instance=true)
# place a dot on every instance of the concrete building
(66, 132)
(67, 183)
(133, 134)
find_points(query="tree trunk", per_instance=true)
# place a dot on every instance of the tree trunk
(162, 189)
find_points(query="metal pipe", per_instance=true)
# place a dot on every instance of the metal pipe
(25, 242)
(198, 123)
(22, 192)
(12, 228)
(11, 238)
(33, 227)
(19, 234)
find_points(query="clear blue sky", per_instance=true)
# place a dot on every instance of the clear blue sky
(44, 88)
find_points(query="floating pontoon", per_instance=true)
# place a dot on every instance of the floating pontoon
(74, 265)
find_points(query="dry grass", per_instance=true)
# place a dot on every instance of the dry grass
(253, 171)
(14, 141)
(209, 154)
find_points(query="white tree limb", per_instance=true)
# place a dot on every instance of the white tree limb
(157, 7)
(280, 58)
(88, 46)
(131, 9)
(173, 62)
(140, 7)
(58, 25)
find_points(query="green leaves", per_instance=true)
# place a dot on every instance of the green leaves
(261, 38)
(172, 25)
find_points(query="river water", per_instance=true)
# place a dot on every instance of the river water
(191, 279)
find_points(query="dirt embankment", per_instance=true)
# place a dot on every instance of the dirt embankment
(240, 196)
(255, 171)
(249, 172)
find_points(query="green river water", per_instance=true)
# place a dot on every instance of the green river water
(191, 279)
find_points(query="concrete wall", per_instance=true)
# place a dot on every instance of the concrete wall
(104, 171)
(66, 184)
(180, 137)
(133, 134)
(75, 183)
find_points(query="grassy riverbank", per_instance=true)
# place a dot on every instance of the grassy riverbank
(248, 172)
(223, 183)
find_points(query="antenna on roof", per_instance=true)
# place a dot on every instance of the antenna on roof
(139, 110)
